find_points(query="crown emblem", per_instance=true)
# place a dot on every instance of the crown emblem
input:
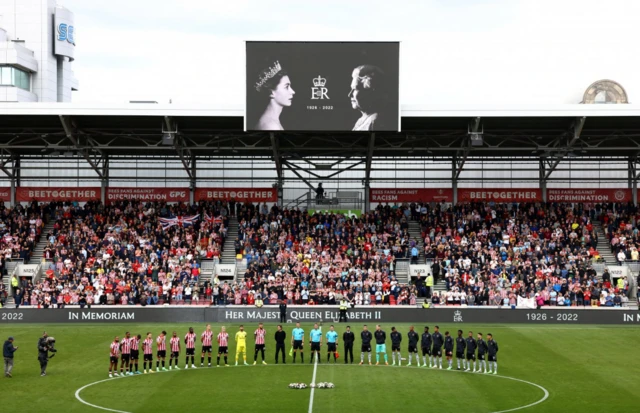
(319, 81)
(268, 74)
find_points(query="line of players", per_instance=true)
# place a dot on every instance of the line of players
(127, 350)
(431, 346)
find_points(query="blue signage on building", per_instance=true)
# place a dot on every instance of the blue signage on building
(66, 32)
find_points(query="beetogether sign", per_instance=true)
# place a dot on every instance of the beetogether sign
(363, 315)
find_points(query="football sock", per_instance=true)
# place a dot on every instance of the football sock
(458, 360)
(157, 364)
(120, 370)
(361, 357)
(218, 361)
(386, 359)
(201, 360)
(209, 358)
(225, 360)
(144, 365)
(377, 357)
(369, 357)
(393, 357)
(137, 367)
(162, 363)
(186, 360)
(295, 353)
(495, 366)
(334, 357)
(170, 362)
(424, 360)
(301, 357)
(192, 359)
(328, 357)
(440, 361)
(450, 363)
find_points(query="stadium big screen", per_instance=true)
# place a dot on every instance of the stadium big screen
(322, 86)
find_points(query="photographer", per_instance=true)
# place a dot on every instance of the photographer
(45, 345)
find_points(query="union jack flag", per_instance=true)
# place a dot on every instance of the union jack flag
(211, 220)
(179, 221)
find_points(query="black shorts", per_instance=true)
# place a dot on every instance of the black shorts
(331, 347)
(175, 354)
(366, 348)
(259, 347)
(113, 359)
(493, 358)
(448, 353)
(206, 349)
(315, 346)
(459, 355)
(481, 356)
(395, 347)
(426, 351)
(297, 344)
(436, 352)
(148, 357)
(191, 352)
(223, 350)
(126, 357)
(135, 354)
(413, 349)
(162, 354)
(471, 356)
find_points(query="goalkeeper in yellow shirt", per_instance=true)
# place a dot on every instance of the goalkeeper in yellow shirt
(241, 345)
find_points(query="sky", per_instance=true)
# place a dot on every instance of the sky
(452, 52)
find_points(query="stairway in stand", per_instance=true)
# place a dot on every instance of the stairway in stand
(6, 280)
(604, 247)
(229, 254)
(38, 251)
(415, 232)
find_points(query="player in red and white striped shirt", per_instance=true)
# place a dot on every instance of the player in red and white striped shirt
(125, 347)
(190, 341)
(206, 339)
(259, 335)
(114, 352)
(223, 343)
(175, 349)
(161, 343)
(135, 353)
(147, 348)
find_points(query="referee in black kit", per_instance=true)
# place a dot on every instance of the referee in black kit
(348, 338)
(280, 337)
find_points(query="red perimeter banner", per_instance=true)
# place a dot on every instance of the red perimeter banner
(48, 194)
(586, 195)
(237, 194)
(410, 195)
(500, 195)
(5, 194)
(148, 194)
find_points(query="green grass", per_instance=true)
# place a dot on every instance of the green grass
(583, 368)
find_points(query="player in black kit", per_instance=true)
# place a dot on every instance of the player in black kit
(436, 352)
(448, 348)
(426, 347)
(460, 347)
(482, 350)
(366, 337)
(413, 346)
(492, 349)
(396, 339)
(471, 352)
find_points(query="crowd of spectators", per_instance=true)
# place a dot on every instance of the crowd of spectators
(494, 254)
(484, 253)
(620, 225)
(20, 229)
(120, 254)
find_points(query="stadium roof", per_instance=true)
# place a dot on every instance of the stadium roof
(549, 131)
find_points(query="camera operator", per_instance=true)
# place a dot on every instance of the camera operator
(45, 345)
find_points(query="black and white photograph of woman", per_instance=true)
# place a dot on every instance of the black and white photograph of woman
(367, 96)
(275, 86)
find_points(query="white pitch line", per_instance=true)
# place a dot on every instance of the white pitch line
(315, 366)
(94, 405)
(313, 381)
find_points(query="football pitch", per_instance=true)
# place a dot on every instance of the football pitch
(540, 369)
